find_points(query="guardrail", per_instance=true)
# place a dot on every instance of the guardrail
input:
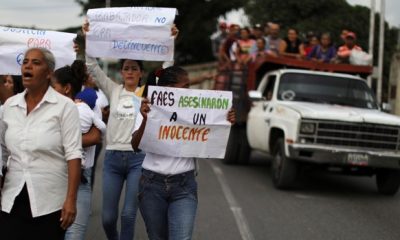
(197, 70)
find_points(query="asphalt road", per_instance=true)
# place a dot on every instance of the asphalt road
(240, 203)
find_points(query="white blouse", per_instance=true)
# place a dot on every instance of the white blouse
(163, 164)
(39, 145)
(89, 118)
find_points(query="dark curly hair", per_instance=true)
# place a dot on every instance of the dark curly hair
(170, 75)
(75, 75)
(166, 77)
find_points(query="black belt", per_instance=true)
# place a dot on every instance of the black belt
(167, 178)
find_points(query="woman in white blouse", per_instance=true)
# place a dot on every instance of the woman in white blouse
(43, 145)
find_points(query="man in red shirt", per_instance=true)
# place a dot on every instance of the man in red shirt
(345, 50)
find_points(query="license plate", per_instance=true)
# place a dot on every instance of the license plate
(357, 159)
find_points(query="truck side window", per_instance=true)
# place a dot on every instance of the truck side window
(269, 89)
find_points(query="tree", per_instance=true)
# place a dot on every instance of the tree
(196, 21)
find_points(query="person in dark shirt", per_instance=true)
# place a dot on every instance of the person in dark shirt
(292, 45)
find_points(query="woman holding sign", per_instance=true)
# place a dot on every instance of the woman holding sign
(168, 189)
(122, 165)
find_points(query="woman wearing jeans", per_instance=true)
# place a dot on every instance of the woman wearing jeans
(121, 163)
(168, 188)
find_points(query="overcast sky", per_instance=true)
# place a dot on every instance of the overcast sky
(58, 14)
(44, 14)
(392, 9)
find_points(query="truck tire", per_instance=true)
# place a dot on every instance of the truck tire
(388, 181)
(283, 170)
(238, 149)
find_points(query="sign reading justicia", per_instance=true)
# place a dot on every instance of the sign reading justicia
(15, 41)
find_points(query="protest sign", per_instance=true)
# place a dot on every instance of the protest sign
(142, 33)
(15, 41)
(187, 122)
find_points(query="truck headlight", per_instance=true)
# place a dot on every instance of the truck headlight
(307, 128)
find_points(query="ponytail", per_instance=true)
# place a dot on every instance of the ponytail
(170, 75)
(75, 75)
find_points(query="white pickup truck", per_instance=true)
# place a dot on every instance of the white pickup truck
(327, 119)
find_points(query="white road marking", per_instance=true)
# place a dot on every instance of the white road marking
(240, 219)
(302, 196)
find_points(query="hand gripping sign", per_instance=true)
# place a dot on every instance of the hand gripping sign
(187, 122)
(15, 41)
(142, 33)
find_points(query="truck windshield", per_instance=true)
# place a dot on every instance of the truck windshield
(326, 89)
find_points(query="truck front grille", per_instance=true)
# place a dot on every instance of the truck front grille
(360, 135)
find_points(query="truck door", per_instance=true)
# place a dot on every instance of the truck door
(259, 120)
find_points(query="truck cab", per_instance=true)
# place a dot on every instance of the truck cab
(323, 119)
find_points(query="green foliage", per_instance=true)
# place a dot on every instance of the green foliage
(196, 21)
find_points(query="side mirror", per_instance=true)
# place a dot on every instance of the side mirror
(386, 107)
(255, 95)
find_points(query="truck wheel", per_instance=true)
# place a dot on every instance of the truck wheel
(388, 181)
(237, 150)
(284, 170)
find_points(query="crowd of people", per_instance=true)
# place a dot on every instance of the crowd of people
(236, 46)
(52, 122)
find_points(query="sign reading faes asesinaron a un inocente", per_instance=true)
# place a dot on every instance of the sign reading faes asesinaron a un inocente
(187, 122)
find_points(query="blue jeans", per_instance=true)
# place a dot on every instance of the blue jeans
(77, 230)
(120, 167)
(168, 205)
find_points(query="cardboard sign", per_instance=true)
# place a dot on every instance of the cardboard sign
(15, 41)
(187, 122)
(142, 33)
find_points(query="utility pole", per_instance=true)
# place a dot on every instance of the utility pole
(371, 36)
(398, 39)
(105, 62)
(394, 80)
(380, 56)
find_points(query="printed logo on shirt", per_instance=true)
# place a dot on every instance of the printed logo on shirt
(128, 108)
